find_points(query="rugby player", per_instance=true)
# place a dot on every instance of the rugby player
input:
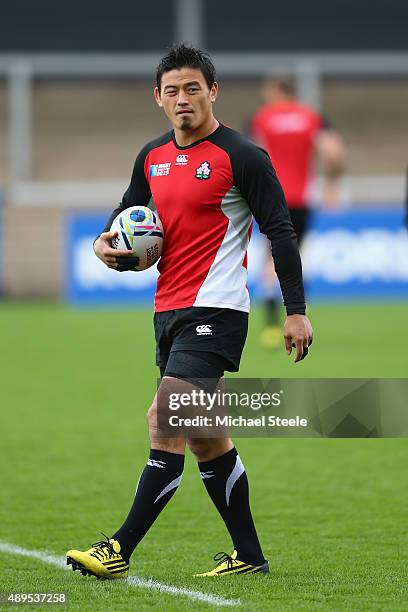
(293, 134)
(206, 182)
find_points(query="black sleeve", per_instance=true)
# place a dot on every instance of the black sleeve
(256, 179)
(138, 191)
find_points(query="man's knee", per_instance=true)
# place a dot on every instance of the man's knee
(152, 416)
(158, 438)
(207, 449)
(199, 447)
(160, 404)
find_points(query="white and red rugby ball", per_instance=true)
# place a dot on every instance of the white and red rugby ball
(140, 230)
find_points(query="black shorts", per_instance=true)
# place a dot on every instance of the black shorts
(300, 218)
(218, 331)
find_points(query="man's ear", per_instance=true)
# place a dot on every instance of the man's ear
(214, 92)
(158, 97)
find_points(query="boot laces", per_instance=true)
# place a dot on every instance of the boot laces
(222, 557)
(104, 547)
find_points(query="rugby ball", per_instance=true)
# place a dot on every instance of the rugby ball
(139, 229)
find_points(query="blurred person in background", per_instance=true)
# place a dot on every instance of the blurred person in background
(294, 135)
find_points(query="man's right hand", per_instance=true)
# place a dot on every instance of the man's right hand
(103, 249)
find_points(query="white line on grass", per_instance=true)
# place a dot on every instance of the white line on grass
(143, 583)
(34, 554)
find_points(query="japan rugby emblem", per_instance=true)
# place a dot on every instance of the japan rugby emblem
(203, 171)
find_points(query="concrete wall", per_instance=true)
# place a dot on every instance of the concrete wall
(33, 248)
(3, 134)
(93, 130)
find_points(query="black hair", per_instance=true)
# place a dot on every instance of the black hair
(181, 56)
(287, 84)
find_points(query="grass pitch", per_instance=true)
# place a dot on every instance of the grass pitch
(331, 514)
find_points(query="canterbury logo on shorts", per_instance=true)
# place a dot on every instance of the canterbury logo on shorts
(204, 330)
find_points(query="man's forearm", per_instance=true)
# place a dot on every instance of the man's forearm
(288, 267)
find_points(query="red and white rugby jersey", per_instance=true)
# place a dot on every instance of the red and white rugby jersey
(288, 132)
(206, 195)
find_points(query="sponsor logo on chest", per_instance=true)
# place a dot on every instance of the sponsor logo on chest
(182, 160)
(160, 169)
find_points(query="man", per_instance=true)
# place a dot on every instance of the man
(292, 134)
(206, 182)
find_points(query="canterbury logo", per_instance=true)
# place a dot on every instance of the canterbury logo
(208, 474)
(154, 463)
(181, 160)
(204, 330)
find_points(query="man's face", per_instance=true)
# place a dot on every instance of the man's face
(185, 98)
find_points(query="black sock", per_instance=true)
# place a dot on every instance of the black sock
(272, 311)
(227, 484)
(157, 484)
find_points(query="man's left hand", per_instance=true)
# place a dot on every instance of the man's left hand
(298, 334)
